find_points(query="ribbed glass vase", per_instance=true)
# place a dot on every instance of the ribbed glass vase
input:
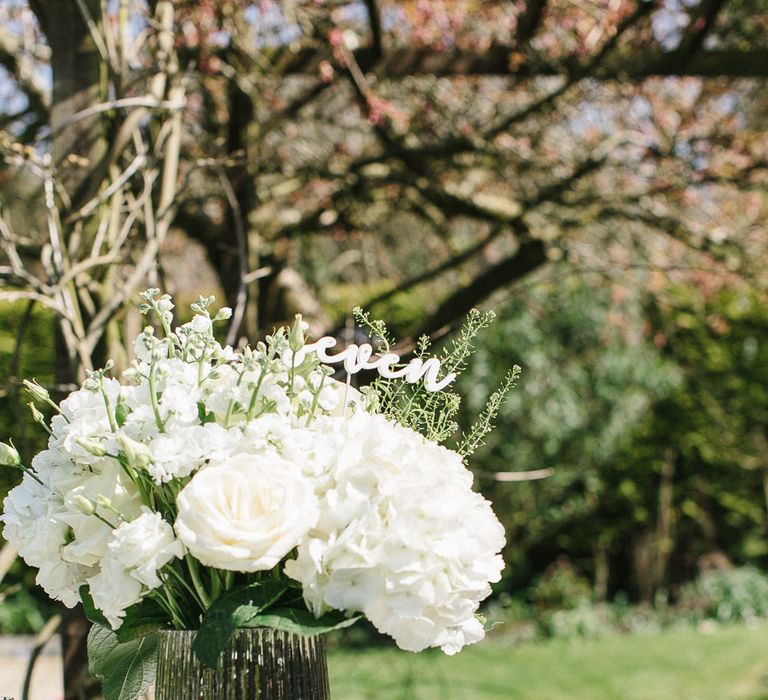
(258, 664)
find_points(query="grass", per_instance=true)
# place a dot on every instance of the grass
(730, 663)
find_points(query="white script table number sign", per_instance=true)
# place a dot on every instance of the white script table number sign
(359, 357)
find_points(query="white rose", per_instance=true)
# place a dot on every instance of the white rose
(246, 513)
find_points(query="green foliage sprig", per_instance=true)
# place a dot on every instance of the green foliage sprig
(475, 438)
(433, 413)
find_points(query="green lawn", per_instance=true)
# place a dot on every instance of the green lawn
(728, 664)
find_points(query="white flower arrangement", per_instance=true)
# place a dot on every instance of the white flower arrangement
(252, 487)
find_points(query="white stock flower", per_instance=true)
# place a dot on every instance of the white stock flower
(178, 383)
(136, 551)
(337, 398)
(145, 545)
(402, 536)
(31, 525)
(90, 534)
(246, 513)
(84, 417)
(113, 591)
(200, 324)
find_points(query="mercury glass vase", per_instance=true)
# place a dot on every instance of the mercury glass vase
(258, 664)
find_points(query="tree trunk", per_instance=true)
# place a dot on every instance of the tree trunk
(77, 146)
(665, 520)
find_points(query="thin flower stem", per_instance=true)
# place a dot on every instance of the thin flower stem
(252, 404)
(161, 596)
(315, 399)
(110, 416)
(196, 582)
(104, 520)
(216, 583)
(54, 405)
(30, 473)
(153, 395)
(186, 585)
(292, 374)
(231, 403)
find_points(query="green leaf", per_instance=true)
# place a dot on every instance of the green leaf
(102, 641)
(122, 411)
(203, 415)
(91, 611)
(127, 669)
(142, 619)
(302, 621)
(229, 613)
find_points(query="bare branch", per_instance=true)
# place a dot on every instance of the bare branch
(40, 298)
(374, 20)
(531, 475)
(529, 256)
(12, 59)
(430, 274)
(98, 39)
(528, 22)
(242, 242)
(88, 208)
(123, 103)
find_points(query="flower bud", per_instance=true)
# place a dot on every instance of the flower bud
(37, 416)
(137, 453)
(164, 303)
(103, 501)
(92, 446)
(296, 336)
(223, 314)
(91, 384)
(37, 392)
(9, 455)
(83, 504)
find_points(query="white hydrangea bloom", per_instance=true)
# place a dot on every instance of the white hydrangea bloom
(181, 452)
(402, 537)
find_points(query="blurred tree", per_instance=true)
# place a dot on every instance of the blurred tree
(501, 133)
(653, 434)
(298, 141)
(591, 377)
